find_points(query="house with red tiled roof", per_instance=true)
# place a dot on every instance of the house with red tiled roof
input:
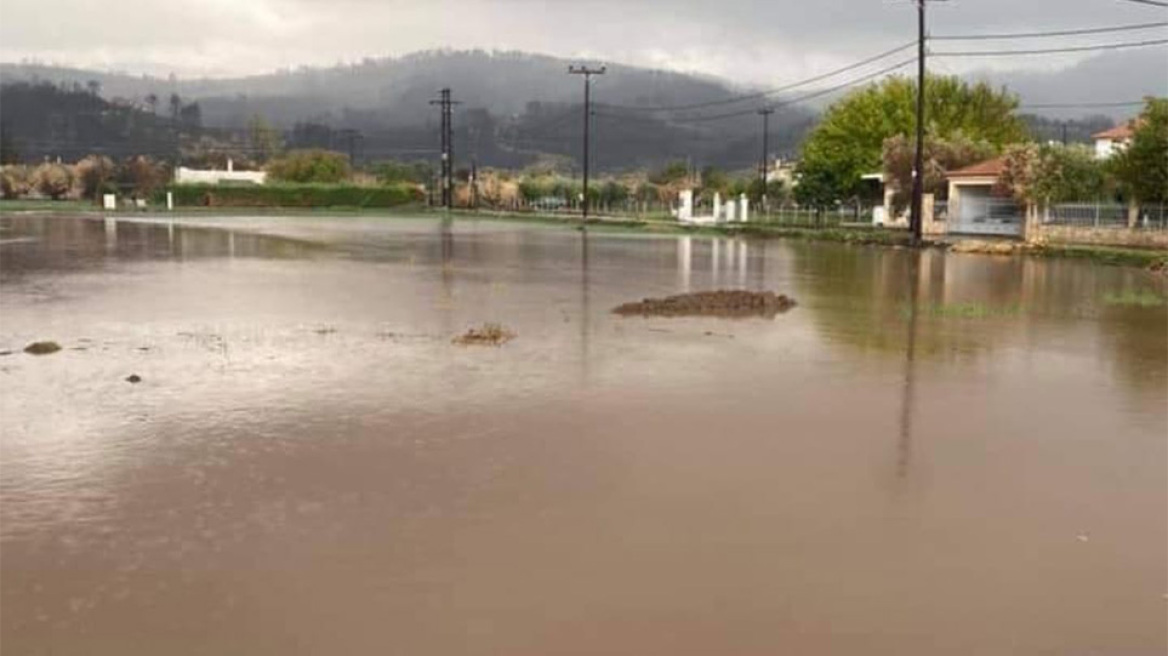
(1108, 142)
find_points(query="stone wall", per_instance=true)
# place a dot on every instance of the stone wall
(1061, 234)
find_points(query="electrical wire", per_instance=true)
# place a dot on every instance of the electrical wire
(769, 92)
(803, 98)
(1036, 35)
(1087, 105)
(1047, 51)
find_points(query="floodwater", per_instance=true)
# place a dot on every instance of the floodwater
(931, 454)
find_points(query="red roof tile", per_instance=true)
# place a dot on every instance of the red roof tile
(988, 168)
(1117, 133)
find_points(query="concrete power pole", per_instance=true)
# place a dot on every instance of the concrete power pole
(587, 73)
(447, 107)
(764, 166)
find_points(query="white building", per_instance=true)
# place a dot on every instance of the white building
(183, 175)
(1109, 142)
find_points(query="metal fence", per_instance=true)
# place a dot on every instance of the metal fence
(1106, 215)
(804, 217)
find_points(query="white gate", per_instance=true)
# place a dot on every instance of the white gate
(978, 213)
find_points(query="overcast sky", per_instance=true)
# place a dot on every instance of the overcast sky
(750, 41)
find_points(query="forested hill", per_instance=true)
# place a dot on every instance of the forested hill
(515, 108)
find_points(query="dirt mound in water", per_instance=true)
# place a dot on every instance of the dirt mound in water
(731, 304)
(490, 334)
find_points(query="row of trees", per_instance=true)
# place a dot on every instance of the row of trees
(869, 130)
(1053, 173)
(89, 178)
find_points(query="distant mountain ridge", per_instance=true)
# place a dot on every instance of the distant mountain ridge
(519, 108)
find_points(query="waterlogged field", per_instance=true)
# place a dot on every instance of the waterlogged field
(307, 435)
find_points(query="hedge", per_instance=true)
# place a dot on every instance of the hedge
(294, 195)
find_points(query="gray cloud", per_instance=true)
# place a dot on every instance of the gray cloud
(752, 41)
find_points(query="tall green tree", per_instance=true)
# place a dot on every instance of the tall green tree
(310, 165)
(849, 141)
(266, 141)
(1142, 167)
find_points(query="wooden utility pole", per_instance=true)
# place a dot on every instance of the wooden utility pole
(915, 219)
(587, 73)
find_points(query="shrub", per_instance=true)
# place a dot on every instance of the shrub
(313, 165)
(53, 180)
(94, 173)
(143, 175)
(15, 181)
(295, 195)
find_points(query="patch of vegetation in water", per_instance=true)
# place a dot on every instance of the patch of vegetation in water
(962, 311)
(1144, 298)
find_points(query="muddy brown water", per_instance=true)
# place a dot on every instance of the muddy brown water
(930, 454)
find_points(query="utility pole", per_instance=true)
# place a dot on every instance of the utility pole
(1064, 126)
(447, 106)
(764, 166)
(587, 73)
(915, 219)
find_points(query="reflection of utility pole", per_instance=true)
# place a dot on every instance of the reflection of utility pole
(908, 392)
(587, 73)
(585, 309)
(447, 107)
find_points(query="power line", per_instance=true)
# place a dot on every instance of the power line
(1046, 51)
(770, 92)
(1154, 3)
(803, 98)
(1086, 105)
(1035, 35)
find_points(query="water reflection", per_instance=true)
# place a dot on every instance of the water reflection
(36, 244)
(908, 391)
(439, 499)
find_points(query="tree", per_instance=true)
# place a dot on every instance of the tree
(53, 180)
(1142, 168)
(94, 173)
(9, 152)
(1052, 173)
(191, 116)
(265, 140)
(15, 181)
(142, 174)
(672, 172)
(94, 87)
(175, 107)
(849, 141)
(311, 165)
(391, 172)
(941, 156)
(152, 102)
(715, 179)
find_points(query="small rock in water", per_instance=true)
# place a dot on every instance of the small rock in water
(133, 378)
(42, 348)
(1082, 537)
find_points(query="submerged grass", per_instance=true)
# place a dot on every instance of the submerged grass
(1144, 298)
(971, 310)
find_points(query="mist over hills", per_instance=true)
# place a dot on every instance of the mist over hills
(517, 108)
